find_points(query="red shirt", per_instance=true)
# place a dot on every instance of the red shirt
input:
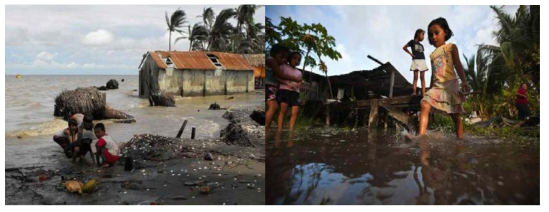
(521, 99)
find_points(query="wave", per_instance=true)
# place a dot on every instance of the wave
(45, 128)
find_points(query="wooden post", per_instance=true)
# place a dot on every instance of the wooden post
(328, 115)
(181, 130)
(373, 113)
(193, 133)
(392, 83)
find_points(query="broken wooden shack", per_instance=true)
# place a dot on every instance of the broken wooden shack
(380, 96)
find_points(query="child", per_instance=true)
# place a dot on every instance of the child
(288, 94)
(445, 95)
(418, 59)
(278, 57)
(67, 136)
(82, 146)
(107, 149)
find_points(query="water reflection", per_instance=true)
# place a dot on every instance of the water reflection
(378, 168)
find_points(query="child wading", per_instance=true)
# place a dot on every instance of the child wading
(107, 149)
(418, 59)
(288, 94)
(445, 95)
(278, 57)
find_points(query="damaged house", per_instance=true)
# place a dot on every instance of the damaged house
(195, 73)
(258, 62)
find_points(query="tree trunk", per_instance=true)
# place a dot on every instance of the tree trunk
(190, 45)
(303, 69)
(170, 43)
(329, 85)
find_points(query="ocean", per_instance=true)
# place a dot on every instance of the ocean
(30, 124)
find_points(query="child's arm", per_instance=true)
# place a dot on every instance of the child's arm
(278, 72)
(405, 47)
(284, 82)
(459, 69)
(92, 155)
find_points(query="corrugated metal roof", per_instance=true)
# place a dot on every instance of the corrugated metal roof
(256, 60)
(199, 60)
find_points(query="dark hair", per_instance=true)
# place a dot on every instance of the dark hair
(278, 48)
(100, 126)
(88, 118)
(73, 122)
(444, 25)
(418, 32)
(292, 54)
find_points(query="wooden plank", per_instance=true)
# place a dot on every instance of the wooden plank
(372, 122)
(397, 114)
(391, 101)
(392, 83)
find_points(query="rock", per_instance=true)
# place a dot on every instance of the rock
(250, 186)
(252, 156)
(112, 84)
(208, 156)
(214, 106)
(214, 185)
(162, 98)
(134, 89)
(189, 154)
(102, 88)
(179, 197)
(230, 97)
(122, 80)
(258, 116)
(189, 184)
(54, 200)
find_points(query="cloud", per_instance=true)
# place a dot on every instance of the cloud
(382, 31)
(45, 56)
(98, 38)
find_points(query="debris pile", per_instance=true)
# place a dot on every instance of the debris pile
(242, 129)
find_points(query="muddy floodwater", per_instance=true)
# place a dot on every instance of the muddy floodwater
(329, 167)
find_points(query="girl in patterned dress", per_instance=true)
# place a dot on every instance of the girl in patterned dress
(445, 95)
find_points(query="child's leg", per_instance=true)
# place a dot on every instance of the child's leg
(281, 114)
(415, 82)
(273, 106)
(293, 119)
(424, 117)
(458, 124)
(75, 154)
(422, 76)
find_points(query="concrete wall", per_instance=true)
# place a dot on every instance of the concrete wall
(195, 82)
(240, 81)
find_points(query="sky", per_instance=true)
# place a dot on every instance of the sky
(91, 40)
(382, 31)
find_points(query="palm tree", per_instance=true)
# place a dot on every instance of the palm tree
(254, 41)
(175, 22)
(197, 35)
(519, 39)
(222, 31)
(245, 18)
(208, 17)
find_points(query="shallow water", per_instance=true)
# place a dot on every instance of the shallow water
(30, 123)
(323, 167)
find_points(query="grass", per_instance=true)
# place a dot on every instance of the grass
(516, 135)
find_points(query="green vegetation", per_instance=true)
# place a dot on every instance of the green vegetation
(216, 33)
(313, 41)
(498, 71)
